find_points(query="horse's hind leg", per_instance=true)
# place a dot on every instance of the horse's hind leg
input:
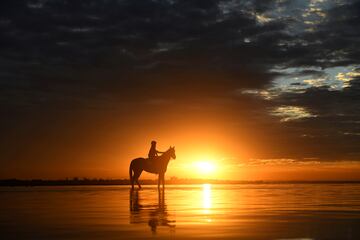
(131, 179)
(132, 183)
(137, 181)
(136, 177)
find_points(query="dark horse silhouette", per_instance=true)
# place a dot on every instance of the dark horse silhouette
(157, 165)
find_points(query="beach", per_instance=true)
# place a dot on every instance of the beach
(206, 211)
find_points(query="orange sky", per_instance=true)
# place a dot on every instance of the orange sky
(235, 153)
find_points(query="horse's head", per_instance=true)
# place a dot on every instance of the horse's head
(171, 152)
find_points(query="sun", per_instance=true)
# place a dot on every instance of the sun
(205, 167)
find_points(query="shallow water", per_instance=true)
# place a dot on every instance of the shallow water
(245, 211)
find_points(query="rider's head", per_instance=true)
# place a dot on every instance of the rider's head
(153, 142)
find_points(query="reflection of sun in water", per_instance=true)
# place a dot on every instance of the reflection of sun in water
(207, 198)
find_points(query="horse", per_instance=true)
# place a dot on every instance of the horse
(157, 166)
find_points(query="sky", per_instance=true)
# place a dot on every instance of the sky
(258, 89)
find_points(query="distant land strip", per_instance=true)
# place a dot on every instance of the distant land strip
(172, 181)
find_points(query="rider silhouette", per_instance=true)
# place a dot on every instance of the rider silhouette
(153, 152)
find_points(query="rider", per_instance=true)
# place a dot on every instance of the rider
(153, 152)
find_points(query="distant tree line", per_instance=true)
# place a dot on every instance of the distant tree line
(99, 181)
(173, 180)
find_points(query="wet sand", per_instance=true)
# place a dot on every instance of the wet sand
(244, 211)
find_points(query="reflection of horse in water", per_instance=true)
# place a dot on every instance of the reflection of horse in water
(157, 166)
(157, 213)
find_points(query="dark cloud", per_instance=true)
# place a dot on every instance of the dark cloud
(334, 133)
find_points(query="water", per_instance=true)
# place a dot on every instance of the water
(245, 211)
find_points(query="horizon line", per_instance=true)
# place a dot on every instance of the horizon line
(124, 181)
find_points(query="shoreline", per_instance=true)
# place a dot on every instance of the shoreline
(115, 182)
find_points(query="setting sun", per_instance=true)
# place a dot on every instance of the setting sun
(205, 167)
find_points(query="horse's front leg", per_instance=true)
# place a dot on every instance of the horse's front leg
(159, 178)
(163, 181)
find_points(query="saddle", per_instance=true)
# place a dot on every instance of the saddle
(151, 165)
